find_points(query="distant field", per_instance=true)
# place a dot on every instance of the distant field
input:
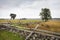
(5, 35)
(18, 21)
(52, 25)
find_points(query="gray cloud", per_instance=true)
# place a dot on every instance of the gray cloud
(30, 8)
(14, 3)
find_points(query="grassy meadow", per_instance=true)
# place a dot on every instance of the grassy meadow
(51, 25)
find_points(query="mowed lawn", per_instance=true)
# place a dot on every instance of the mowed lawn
(5, 35)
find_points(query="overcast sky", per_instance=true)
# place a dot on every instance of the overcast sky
(28, 8)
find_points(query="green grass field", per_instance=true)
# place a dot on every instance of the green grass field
(5, 35)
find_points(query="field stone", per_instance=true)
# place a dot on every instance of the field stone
(52, 38)
(33, 38)
(35, 35)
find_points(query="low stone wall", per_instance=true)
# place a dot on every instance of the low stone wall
(34, 36)
(14, 30)
(38, 36)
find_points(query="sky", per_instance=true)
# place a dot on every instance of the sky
(28, 8)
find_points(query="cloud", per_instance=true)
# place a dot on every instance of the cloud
(28, 8)
(14, 3)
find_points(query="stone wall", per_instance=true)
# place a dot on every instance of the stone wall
(14, 30)
(34, 36)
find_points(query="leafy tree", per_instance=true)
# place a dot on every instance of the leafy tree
(45, 14)
(13, 16)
